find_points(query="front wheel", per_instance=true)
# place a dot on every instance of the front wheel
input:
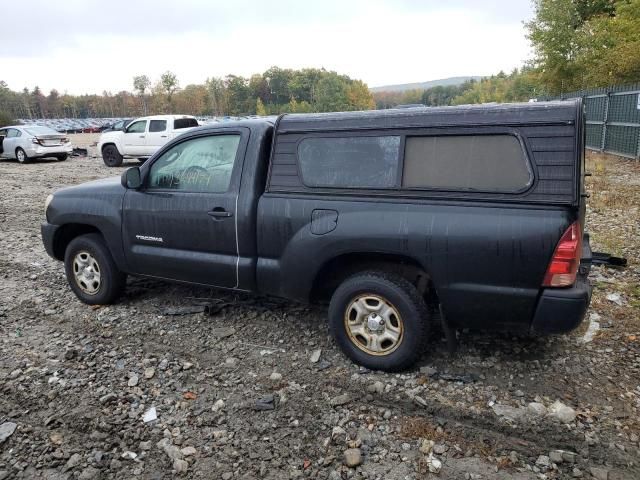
(21, 155)
(91, 272)
(379, 320)
(111, 156)
(62, 157)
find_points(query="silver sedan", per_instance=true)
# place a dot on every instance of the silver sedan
(25, 142)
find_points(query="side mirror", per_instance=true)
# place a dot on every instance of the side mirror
(131, 178)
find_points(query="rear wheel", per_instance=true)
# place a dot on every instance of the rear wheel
(21, 155)
(62, 157)
(91, 272)
(111, 156)
(379, 320)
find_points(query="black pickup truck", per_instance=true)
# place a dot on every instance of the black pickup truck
(475, 213)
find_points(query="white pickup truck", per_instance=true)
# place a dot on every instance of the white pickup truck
(142, 137)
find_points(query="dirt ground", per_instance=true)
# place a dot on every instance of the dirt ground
(241, 393)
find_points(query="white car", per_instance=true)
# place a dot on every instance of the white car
(142, 137)
(26, 142)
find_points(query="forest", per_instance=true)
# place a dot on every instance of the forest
(577, 44)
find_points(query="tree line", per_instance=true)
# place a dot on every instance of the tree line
(275, 91)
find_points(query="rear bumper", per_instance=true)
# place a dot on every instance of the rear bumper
(45, 151)
(560, 310)
(48, 234)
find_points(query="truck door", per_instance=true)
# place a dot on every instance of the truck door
(134, 139)
(181, 224)
(156, 136)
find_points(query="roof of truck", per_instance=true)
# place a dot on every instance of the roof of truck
(484, 114)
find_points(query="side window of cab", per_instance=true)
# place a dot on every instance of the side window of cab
(202, 164)
(137, 127)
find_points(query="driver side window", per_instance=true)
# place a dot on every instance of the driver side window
(201, 164)
(137, 127)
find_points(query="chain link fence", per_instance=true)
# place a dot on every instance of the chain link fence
(613, 119)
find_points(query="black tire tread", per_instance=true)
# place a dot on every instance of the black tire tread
(114, 278)
(416, 300)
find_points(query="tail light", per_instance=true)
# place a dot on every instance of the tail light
(564, 264)
(37, 141)
(64, 140)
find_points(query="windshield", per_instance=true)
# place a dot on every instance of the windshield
(41, 131)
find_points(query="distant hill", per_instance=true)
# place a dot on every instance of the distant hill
(423, 85)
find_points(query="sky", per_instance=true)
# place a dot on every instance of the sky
(87, 46)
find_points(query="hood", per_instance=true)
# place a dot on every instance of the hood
(95, 187)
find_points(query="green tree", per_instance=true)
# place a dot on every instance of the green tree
(260, 110)
(554, 33)
(169, 82)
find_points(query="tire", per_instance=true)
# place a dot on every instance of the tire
(21, 156)
(111, 156)
(62, 157)
(408, 315)
(84, 251)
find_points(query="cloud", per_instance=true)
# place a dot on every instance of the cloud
(86, 46)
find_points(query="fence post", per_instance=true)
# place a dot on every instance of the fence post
(604, 122)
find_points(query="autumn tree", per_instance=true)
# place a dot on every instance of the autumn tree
(140, 84)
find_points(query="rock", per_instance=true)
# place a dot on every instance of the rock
(128, 455)
(576, 472)
(56, 438)
(150, 415)
(376, 387)
(537, 409)
(6, 430)
(569, 456)
(511, 413)
(268, 402)
(434, 464)
(428, 371)
(599, 473)
(543, 461)
(562, 412)
(427, 446)
(108, 398)
(218, 405)
(275, 377)
(133, 380)
(172, 451)
(149, 373)
(15, 374)
(89, 473)
(439, 448)
(519, 393)
(556, 456)
(180, 466)
(145, 446)
(70, 354)
(338, 435)
(227, 476)
(74, 461)
(187, 365)
(615, 298)
(352, 457)
(315, 355)
(340, 400)
(189, 451)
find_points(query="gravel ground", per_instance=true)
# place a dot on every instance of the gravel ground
(155, 388)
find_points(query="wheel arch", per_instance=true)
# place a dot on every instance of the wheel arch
(337, 269)
(66, 233)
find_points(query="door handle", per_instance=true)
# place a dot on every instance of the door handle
(163, 136)
(141, 136)
(219, 212)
